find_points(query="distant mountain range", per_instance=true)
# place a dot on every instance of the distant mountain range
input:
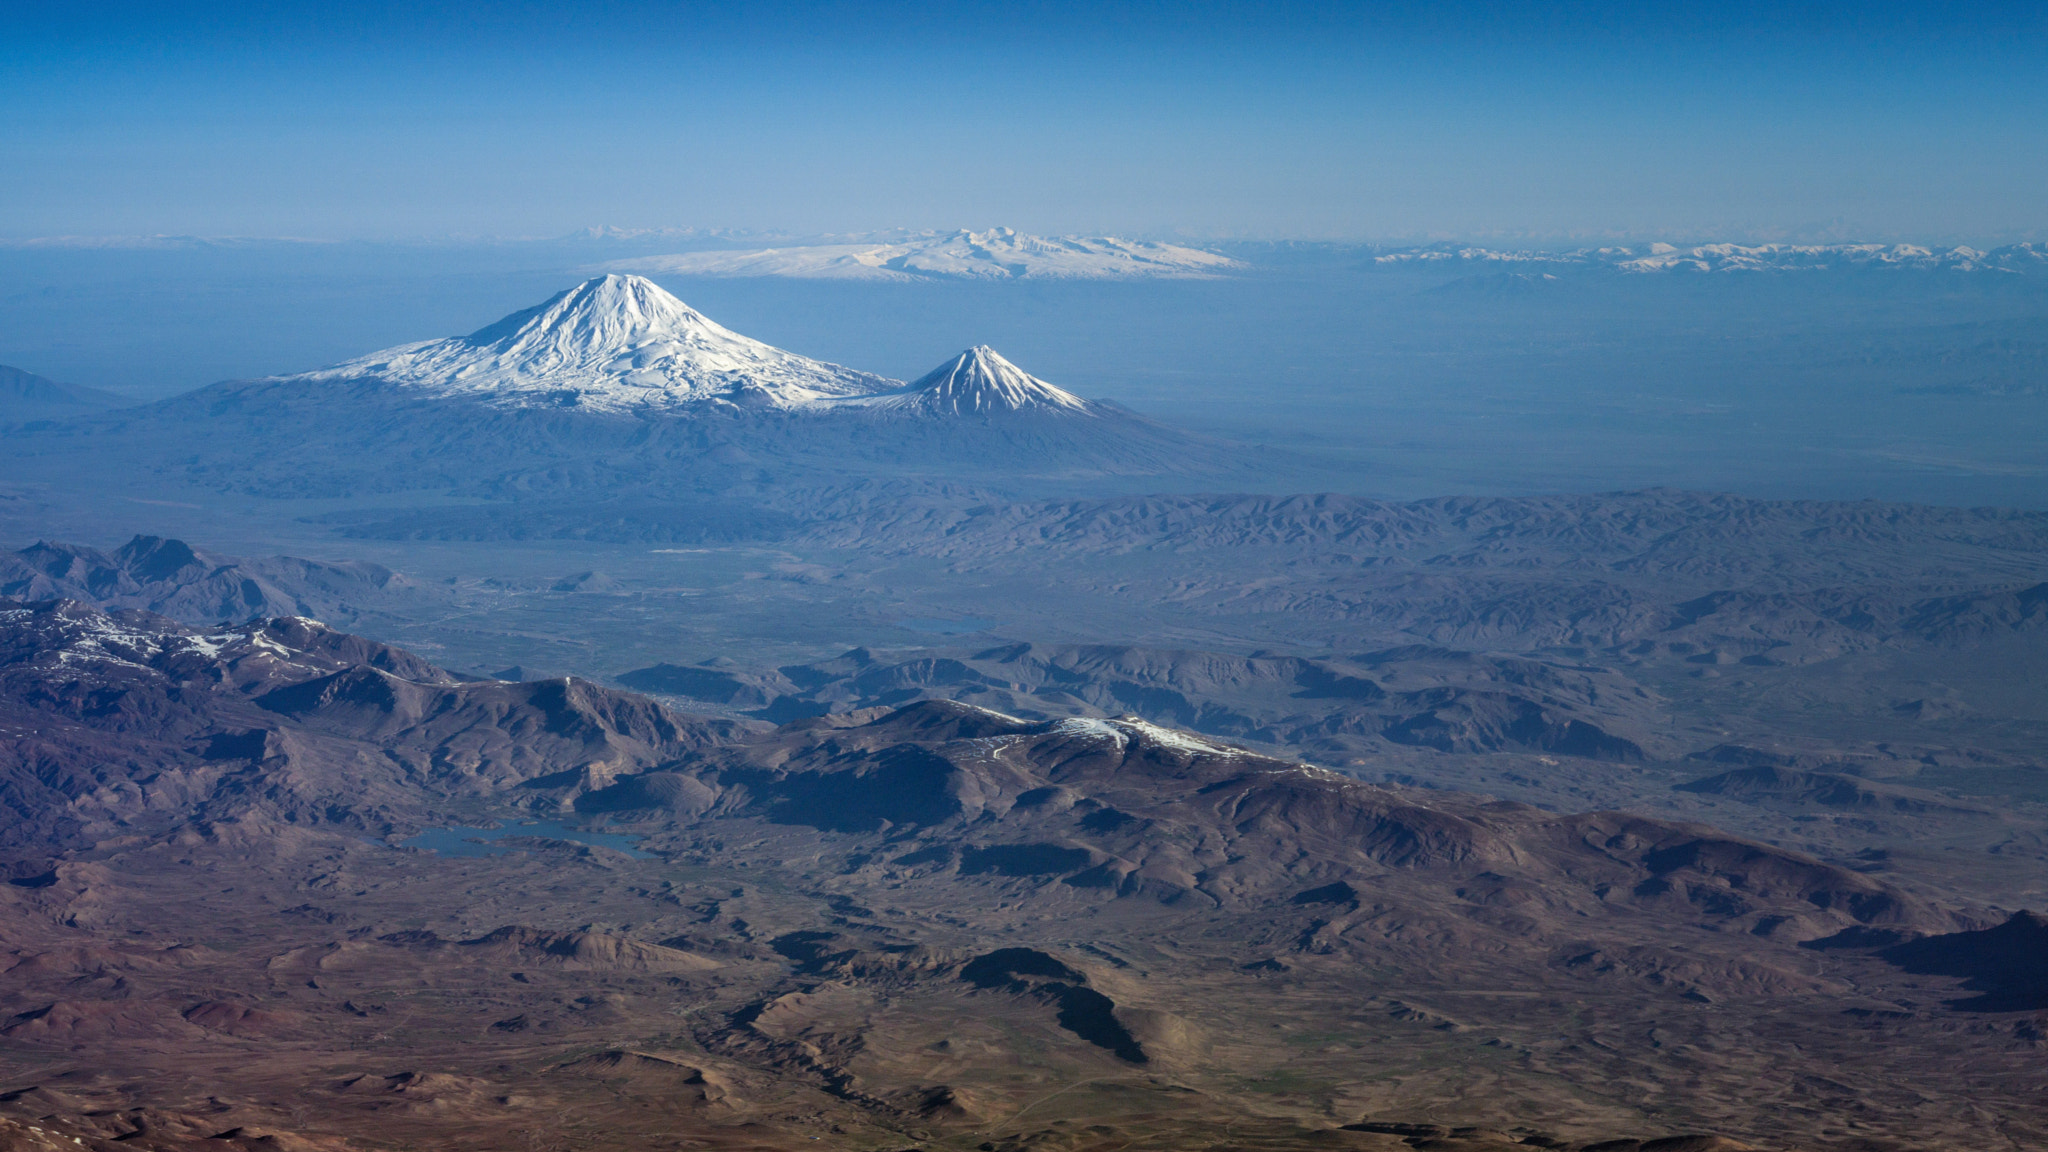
(171, 578)
(1654, 258)
(997, 254)
(1002, 254)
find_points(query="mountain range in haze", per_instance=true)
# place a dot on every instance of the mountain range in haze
(997, 254)
(1660, 257)
(1003, 254)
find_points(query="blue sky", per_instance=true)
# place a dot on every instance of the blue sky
(1355, 120)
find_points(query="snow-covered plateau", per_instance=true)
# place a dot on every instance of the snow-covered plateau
(997, 254)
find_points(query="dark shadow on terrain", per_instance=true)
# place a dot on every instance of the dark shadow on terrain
(1083, 1011)
(2007, 965)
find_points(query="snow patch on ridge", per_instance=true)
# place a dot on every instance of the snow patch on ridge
(1124, 728)
(1173, 738)
(1087, 726)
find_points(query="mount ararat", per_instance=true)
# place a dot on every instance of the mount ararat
(616, 383)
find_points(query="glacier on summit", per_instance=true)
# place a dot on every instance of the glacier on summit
(613, 343)
(996, 254)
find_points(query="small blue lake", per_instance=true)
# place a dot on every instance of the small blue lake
(461, 841)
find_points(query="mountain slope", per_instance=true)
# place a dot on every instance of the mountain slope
(615, 343)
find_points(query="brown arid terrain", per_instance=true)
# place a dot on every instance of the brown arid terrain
(936, 923)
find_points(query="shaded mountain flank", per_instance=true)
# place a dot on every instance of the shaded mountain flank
(2007, 966)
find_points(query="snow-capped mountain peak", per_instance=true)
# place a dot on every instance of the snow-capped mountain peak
(613, 343)
(597, 317)
(977, 382)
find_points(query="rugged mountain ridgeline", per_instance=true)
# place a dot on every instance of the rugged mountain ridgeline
(1337, 707)
(1746, 578)
(1722, 578)
(170, 578)
(895, 925)
(1658, 532)
(128, 722)
(1556, 731)
(1714, 577)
